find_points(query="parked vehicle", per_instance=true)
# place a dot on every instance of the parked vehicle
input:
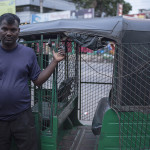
(112, 98)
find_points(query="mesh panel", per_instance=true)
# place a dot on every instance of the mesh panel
(96, 70)
(67, 77)
(131, 94)
(60, 89)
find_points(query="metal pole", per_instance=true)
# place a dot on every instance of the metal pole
(41, 6)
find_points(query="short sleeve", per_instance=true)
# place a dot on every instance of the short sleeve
(34, 70)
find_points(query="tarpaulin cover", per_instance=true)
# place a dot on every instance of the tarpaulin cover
(120, 29)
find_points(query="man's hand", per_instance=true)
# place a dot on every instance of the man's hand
(45, 74)
(60, 55)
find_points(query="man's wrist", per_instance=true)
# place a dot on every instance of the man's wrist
(55, 61)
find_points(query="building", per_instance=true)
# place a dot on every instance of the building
(24, 9)
(143, 14)
(146, 12)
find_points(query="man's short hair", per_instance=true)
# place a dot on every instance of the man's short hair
(10, 18)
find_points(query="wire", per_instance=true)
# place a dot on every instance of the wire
(132, 72)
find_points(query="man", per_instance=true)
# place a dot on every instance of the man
(18, 64)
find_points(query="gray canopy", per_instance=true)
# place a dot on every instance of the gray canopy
(119, 29)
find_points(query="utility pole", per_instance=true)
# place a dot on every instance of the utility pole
(119, 9)
(41, 6)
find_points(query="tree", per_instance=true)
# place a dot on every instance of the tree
(103, 7)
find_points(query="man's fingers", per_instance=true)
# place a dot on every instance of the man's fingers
(62, 52)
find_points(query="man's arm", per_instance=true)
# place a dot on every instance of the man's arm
(45, 74)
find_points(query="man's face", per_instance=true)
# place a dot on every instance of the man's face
(9, 34)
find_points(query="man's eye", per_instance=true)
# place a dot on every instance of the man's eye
(13, 30)
(4, 29)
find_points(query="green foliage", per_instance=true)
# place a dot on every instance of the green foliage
(103, 7)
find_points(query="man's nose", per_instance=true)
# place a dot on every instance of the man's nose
(9, 33)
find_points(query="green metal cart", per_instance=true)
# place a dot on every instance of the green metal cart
(92, 102)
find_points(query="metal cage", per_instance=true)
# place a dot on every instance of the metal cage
(131, 96)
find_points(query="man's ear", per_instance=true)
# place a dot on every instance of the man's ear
(19, 30)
